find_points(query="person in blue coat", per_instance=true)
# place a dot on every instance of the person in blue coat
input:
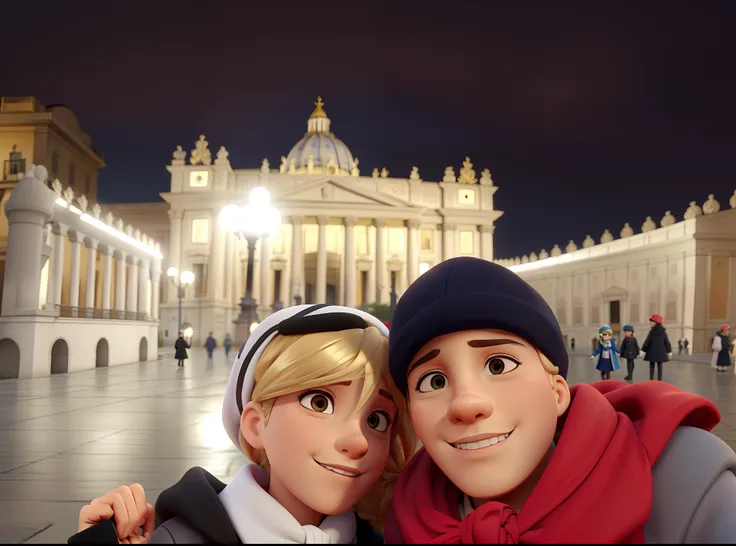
(607, 352)
(210, 345)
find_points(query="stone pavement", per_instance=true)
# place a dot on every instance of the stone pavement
(67, 439)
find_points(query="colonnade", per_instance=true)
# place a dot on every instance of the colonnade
(137, 278)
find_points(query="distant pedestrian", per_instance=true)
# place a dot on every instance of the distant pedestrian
(657, 347)
(210, 345)
(572, 344)
(685, 345)
(181, 347)
(722, 349)
(227, 343)
(629, 351)
(679, 347)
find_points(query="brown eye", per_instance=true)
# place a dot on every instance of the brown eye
(319, 402)
(433, 381)
(379, 421)
(498, 365)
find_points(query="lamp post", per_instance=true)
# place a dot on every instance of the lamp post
(393, 295)
(251, 222)
(180, 281)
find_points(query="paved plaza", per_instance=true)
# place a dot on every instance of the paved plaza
(67, 439)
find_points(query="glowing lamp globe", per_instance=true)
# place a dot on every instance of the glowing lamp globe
(187, 277)
(231, 218)
(259, 197)
(172, 272)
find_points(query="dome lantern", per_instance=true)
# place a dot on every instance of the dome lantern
(318, 121)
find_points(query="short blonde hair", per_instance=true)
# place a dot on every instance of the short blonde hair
(292, 364)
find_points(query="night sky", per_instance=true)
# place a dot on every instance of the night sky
(588, 114)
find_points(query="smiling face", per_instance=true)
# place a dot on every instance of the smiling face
(485, 409)
(322, 448)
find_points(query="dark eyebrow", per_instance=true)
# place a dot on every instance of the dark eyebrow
(386, 394)
(426, 358)
(478, 343)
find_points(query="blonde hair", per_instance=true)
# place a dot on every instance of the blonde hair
(292, 364)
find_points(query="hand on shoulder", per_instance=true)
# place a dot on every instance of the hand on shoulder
(127, 504)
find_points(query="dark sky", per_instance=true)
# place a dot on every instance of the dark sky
(588, 114)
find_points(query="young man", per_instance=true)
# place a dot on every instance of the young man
(511, 454)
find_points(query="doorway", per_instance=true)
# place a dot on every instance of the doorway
(614, 312)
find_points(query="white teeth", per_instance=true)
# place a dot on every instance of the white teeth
(340, 471)
(482, 443)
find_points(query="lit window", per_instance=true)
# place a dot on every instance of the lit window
(423, 268)
(466, 242)
(466, 197)
(198, 179)
(427, 240)
(200, 231)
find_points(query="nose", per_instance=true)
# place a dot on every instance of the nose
(352, 442)
(468, 408)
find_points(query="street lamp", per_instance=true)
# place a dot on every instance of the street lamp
(255, 220)
(180, 281)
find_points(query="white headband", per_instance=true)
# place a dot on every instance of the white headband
(259, 340)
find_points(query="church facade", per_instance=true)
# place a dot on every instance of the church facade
(345, 238)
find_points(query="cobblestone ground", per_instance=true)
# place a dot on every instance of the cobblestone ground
(67, 439)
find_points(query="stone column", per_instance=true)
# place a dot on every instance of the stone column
(321, 288)
(174, 257)
(76, 256)
(60, 231)
(297, 260)
(107, 252)
(49, 303)
(120, 281)
(381, 293)
(216, 260)
(144, 300)
(29, 208)
(370, 290)
(412, 250)
(229, 270)
(486, 242)
(350, 265)
(449, 234)
(89, 299)
(132, 290)
(155, 279)
(266, 277)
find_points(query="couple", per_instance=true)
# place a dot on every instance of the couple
(511, 453)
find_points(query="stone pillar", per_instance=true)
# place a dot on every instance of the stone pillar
(89, 299)
(350, 265)
(76, 256)
(132, 290)
(297, 260)
(449, 234)
(381, 292)
(229, 271)
(370, 290)
(174, 257)
(215, 288)
(155, 280)
(144, 300)
(486, 242)
(30, 207)
(321, 288)
(107, 252)
(412, 250)
(266, 277)
(49, 303)
(60, 231)
(120, 281)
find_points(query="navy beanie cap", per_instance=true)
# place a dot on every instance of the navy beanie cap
(470, 294)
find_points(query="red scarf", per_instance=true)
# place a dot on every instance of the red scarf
(597, 487)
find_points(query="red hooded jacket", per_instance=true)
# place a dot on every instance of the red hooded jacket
(597, 487)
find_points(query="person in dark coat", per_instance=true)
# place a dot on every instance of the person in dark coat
(629, 351)
(572, 344)
(210, 345)
(722, 349)
(181, 347)
(227, 343)
(657, 346)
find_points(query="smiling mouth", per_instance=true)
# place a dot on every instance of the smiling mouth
(480, 442)
(341, 470)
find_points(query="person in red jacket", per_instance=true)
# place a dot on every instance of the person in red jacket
(512, 454)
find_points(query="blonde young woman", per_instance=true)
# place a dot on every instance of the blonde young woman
(310, 401)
